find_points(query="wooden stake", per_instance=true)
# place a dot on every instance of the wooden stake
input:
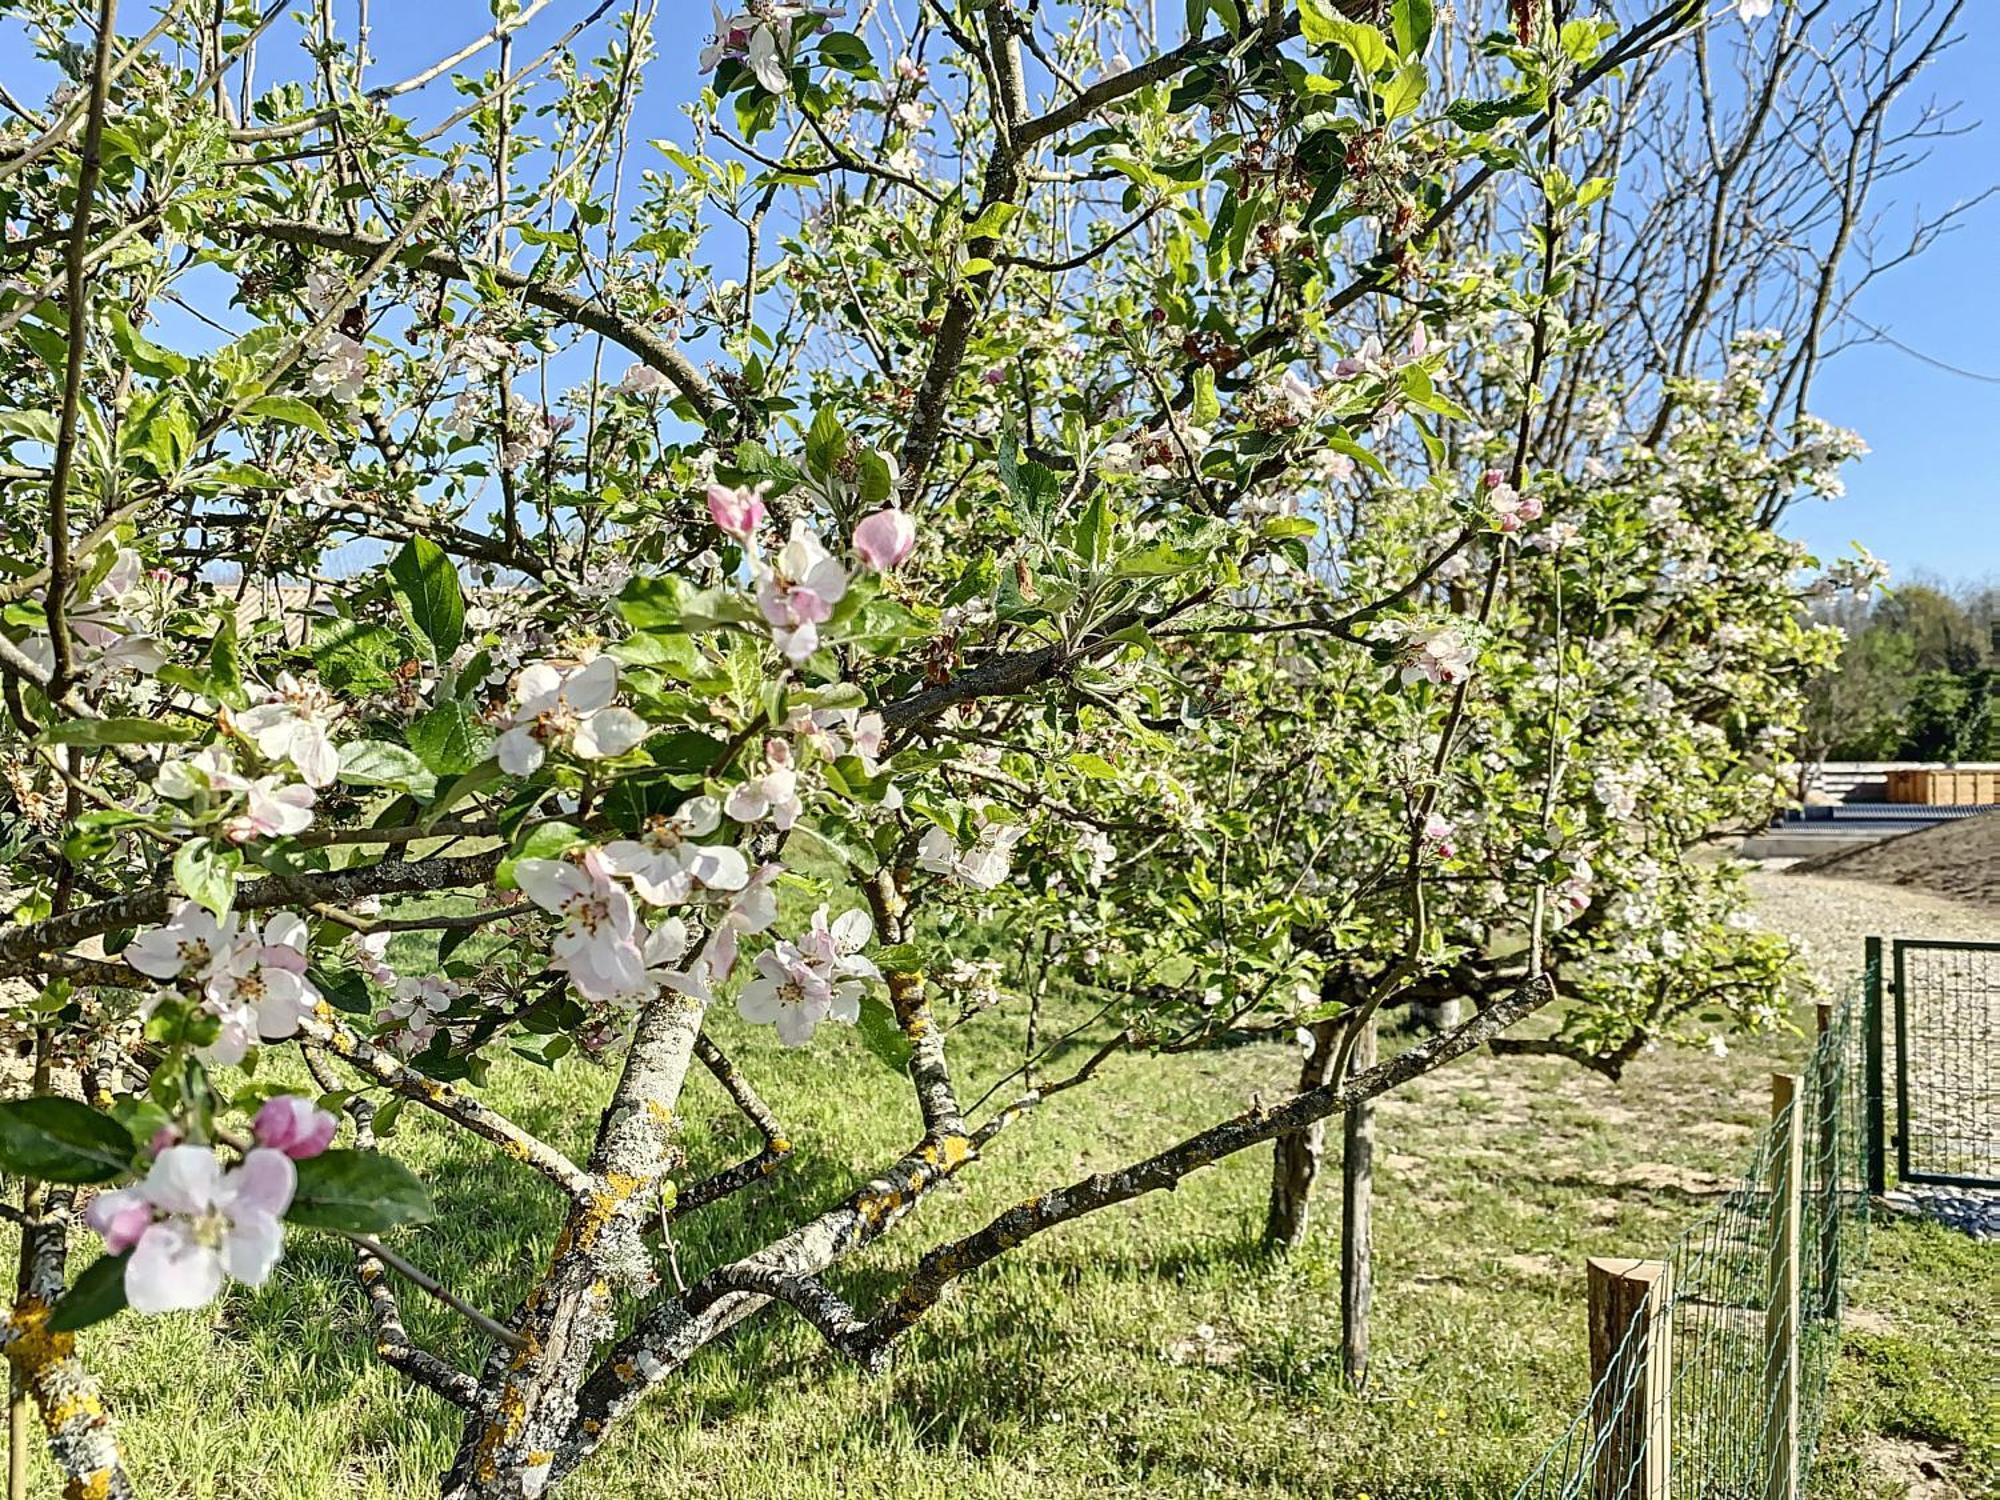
(1781, 1316)
(1357, 1192)
(1631, 1374)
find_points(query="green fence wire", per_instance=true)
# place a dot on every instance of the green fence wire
(1696, 1420)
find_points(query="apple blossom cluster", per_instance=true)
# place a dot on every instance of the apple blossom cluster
(797, 985)
(1511, 509)
(250, 978)
(760, 37)
(567, 708)
(287, 731)
(1438, 652)
(983, 863)
(114, 621)
(189, 1225)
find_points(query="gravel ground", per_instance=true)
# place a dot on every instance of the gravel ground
(1960, 860)
(1829, 916)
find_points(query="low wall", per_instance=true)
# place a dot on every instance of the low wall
(1839, 781)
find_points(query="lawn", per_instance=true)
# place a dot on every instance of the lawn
(1151, 1350)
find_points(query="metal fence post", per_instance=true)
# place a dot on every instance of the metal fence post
(1829, 1076)
(1781, 1307)
(1871, 1046)
(1631, 1372)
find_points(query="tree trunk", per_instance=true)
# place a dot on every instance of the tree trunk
(1295, 1156)
(1357, 1187)
(527, 1396)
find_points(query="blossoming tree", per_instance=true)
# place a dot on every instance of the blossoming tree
(1099, 510)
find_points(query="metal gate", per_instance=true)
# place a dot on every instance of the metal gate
(1946, 999)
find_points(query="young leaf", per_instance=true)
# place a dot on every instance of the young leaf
(60, 1140)
(99, 1293)
(882, 1035)
(207, 870)
(426, 585)
(361, 1192)
(115, 732)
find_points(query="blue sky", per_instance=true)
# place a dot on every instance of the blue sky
(1927, 499)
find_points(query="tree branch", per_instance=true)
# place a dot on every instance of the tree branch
(585, 312)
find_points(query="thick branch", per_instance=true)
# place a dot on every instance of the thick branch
(441, 1098)
(585, 312)
(21, 944)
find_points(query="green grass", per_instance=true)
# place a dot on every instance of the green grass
(1151, 1350)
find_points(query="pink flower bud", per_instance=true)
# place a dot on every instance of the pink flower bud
(120, 1216)
(295, 1126)
(1494, 479)
(1531, 508)
(165, 1136)
(884, 539)
(737, 513)
(994, 376)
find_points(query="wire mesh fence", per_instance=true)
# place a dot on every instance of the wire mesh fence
(1948, 1070)
(1711, 1365)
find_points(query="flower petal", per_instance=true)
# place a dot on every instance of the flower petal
(255, 1243)
(264, 1183)
(170, 1272)
(183, 1180)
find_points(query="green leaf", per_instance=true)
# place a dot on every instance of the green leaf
(52, 1139)
(1480, 115)
(1286, 526)
(207, 870)
(1405, 91)
(545, 841)
(1207, 408)
(653, 603)
(361, 1192)
(1419, 390)
(882, 1036)
(291, 411)
(380, 763)
(1092, 538)
(426, 585)
(878, 480)
(145, 356)
(826, 442)
(35, 426)
(450, 793)
(1324, 26)
(1161, 560)
(1094, 766)
(116, 732)
(1412, 22)
(99, 1293)
(449, 740)
(358, 654)
(993, 218)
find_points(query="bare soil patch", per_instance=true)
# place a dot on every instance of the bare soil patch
(1960, 860)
